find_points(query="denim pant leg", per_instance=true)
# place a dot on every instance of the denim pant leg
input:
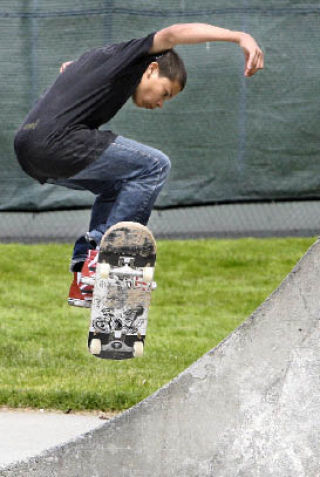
(127, 179)
(100, 212)
(139, 173)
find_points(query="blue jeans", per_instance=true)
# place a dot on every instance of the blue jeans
(127, 178)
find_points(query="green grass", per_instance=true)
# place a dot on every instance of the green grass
(206, 288)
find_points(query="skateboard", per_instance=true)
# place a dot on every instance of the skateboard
(122, 292)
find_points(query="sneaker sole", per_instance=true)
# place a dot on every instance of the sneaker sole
(79, 303)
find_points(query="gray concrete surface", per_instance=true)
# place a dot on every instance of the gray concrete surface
(248, 408)
(26, 433)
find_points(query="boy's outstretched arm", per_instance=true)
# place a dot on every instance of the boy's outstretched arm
(201, 33)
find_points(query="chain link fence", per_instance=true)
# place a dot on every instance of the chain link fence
(275, 219)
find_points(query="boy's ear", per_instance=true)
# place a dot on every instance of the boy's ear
(153, 68)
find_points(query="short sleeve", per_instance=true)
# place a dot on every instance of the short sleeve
(120, 56)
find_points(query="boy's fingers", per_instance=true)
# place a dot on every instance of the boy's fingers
(253, 54)
(250, 61)
(254, 62)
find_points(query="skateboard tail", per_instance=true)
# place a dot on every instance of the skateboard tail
(128, 239)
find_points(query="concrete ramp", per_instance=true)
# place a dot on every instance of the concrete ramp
(249, 408)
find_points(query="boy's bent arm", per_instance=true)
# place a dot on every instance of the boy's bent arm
(189, 33)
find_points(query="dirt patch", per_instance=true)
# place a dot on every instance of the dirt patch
(104, 415)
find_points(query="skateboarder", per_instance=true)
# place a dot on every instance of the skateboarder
(60, 141)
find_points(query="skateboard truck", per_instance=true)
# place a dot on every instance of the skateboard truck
(104, 270)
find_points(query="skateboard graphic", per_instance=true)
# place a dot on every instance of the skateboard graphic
(122, 292)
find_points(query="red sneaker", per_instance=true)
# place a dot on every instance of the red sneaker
(79, 295)
(88, 271)
(81, 289)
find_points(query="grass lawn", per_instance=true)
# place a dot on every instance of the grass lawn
(206, 288)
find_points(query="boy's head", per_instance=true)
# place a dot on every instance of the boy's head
(163, 79)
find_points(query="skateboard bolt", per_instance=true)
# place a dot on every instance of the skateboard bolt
(117, 345)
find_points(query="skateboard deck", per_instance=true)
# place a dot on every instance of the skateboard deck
(122, 292)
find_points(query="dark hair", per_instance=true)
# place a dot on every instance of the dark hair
(172, 66)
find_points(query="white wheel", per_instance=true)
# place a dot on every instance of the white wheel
(147, 274)
(95, 346)
(138, 349)
(104, 270)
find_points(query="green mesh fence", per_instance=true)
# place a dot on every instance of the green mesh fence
(230, 139)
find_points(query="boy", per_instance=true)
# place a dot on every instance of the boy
(59, 141)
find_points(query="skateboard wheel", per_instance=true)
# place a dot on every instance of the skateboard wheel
(138, 349)
(104, 270)
(95, 346)
(147, 274)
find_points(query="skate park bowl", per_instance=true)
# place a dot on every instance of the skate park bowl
(249, 407)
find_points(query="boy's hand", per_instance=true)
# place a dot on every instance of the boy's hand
(64, 66)
(253, 54)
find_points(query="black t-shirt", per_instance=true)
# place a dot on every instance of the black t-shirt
(60, 135)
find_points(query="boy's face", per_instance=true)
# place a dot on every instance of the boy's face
(153, 89)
